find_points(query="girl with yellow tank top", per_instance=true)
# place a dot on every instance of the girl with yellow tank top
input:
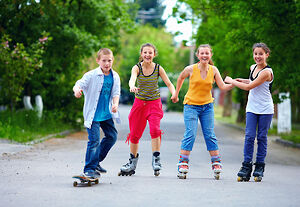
(198, 104)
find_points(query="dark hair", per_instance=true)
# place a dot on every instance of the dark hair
(263, 46)
(208, 46)
(147, 45)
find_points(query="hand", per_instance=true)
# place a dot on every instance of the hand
(77, 92)
(134, 89)
(174, 98)
(228, 79)
(114, 108)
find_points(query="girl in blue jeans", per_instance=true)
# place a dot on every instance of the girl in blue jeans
(198, 104)
(259, 111)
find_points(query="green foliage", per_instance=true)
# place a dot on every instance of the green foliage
(18, 64)
(179, 105)
(232, 27)
(24, 126)
(79, 28)
(130, 52)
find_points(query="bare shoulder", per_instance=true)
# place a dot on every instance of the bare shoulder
(188, 69)
(215, 69)
(252, 66)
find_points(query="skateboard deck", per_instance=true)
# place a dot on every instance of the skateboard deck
(84, 180)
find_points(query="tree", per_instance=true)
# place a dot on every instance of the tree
(18, 63)
(232, 27)
(130, 52)
(78, 27)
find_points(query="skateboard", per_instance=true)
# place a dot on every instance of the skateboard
(84, 180)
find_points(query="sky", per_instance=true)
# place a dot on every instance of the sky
(172, 25)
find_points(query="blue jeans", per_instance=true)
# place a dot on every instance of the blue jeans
(262, 123)
(205, 113)
(96, 150)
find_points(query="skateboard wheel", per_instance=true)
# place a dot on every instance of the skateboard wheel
(156, 173)
(239, 179)
(75, 183)
(96, 181)
(217, 177)
(89, 183)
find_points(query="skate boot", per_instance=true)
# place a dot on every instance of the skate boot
(183, 168)
(156, 163)
(258, 171)
(216, 166)
(245, 172)
(129, 168)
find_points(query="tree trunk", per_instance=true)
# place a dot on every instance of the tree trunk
(242, 98)
(295, 99)
(227, 104)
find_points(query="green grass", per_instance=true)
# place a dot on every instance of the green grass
(294, 136)
(24, 126)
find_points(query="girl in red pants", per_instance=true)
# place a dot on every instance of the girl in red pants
(147, 106)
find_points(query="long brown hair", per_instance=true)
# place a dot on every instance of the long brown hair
(263, 46)
(208, 46)
(147, 45)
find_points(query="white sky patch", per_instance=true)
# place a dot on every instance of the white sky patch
(172, 26)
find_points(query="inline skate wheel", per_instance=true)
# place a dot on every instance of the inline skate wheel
(75, 183)
(257, 179)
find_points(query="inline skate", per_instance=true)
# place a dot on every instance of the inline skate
(245, 172)
(129, 168)
(156, 165)
(183, 168)
(258, 172)
(216, 167)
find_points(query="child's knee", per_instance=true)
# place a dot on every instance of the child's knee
(133, 139)
(155, 133)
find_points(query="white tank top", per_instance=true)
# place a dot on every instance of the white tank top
(260, 98)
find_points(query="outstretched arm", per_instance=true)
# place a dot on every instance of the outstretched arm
(183, 75)
(263, 76)
(134, 74)
(165, 78)
(223, 86)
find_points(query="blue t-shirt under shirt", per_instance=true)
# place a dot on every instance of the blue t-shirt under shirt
(102, 112)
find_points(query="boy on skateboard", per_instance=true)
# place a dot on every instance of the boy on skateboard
(101, 88)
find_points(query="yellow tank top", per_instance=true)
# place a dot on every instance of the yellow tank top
(199, 92)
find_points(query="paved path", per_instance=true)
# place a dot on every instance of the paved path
(40, 175)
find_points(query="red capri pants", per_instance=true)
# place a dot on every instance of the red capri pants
(142, 111)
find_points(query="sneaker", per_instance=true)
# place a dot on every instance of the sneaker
(91, 174)
(100, 169)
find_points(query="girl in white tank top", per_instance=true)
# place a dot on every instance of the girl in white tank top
(259, 111)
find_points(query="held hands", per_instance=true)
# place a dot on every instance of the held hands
(174, 98)
(228, 80)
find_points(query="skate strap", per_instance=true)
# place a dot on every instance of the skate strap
(217, 163)
(182, 163)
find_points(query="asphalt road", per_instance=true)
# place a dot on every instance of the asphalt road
(41, 175)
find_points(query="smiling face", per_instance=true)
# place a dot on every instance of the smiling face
(260, 56)
(105, 62)
(147, 54)
(204, 54)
